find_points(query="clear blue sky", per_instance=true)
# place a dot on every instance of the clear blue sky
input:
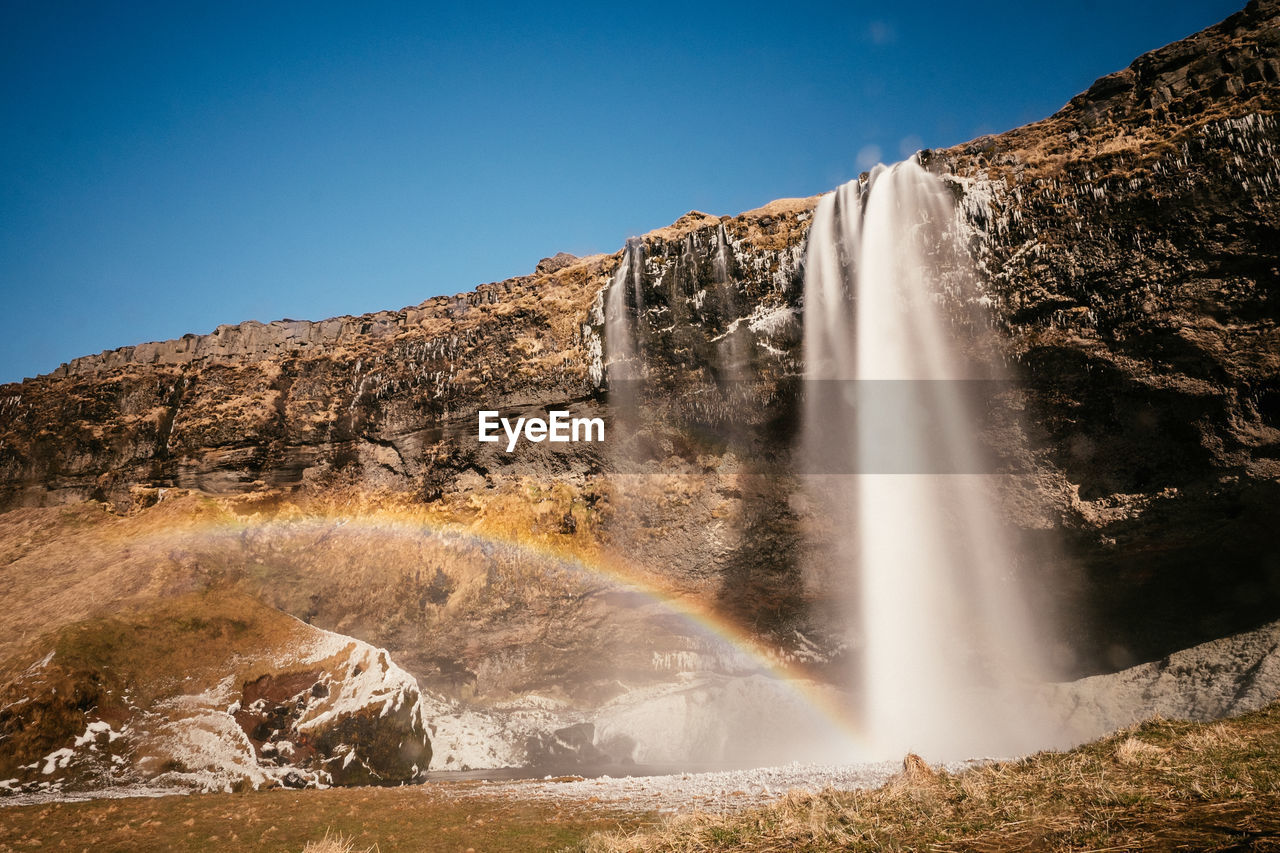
(163, 171)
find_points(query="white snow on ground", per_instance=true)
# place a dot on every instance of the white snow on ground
(216, 750)
(119, 792)
(372, 679)
(708, 792)
(463, 739)
(57, 759)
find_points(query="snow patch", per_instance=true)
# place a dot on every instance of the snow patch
(40, 664)
(465, 739)
(57, 760)
(772, 321)
(96, 728)
(715, 792)
(372, 681)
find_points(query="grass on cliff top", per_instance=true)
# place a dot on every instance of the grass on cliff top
(156, 649)
(1158, 786)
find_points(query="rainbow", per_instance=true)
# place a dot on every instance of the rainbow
(827, 703)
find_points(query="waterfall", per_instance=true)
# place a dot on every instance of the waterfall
(622, 353)
(722, 255)
(731, 348)
(708, 699)
(941, 640)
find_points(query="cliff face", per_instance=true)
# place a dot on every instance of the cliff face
(1130, 244)
(279, 404)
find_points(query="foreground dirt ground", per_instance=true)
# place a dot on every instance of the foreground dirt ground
(440, 818)
(1163, 785)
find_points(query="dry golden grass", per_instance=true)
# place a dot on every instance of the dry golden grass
(1131, 750)
(783, 206)
(1162, 785)
(1048, 151)
(335, 843)
(691, 221)
(1216, 736)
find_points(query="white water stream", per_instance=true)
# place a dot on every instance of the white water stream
(941, 638)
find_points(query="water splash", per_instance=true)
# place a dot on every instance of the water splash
(943, 641)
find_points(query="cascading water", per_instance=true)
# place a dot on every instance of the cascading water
(731, 347)
(623, 352)
(705, 703)
(942, 638)
(622, 355)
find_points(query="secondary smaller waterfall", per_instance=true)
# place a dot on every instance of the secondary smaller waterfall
(942, 639)
(732, 347)
(703, 702)
(622, 351)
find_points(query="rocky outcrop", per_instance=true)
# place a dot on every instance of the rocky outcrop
(344, 710)
(207, 692)
(555, 263)
(1222, 678)
(1127, 244)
